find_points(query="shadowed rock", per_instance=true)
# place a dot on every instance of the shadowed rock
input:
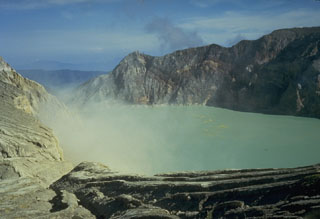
(264, 193)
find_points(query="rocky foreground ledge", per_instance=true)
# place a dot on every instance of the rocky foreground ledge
(92, 190)
(249, 193)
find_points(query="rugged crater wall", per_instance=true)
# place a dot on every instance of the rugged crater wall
(278, 73)
(32, 185)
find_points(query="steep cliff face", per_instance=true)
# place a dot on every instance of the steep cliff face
(30, 155)
(27, 147)
(278, 73)
(26, 94)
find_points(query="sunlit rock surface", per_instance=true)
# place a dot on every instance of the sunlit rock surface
(25, 94)
(30, 155)
(27, 147)
(277, 74)
(25, 197)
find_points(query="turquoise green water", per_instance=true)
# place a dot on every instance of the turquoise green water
(177, 138)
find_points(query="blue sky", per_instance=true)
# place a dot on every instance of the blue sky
(97, 34)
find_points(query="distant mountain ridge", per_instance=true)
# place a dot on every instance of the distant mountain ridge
(52, 65)
(278, 74)
(59, 78)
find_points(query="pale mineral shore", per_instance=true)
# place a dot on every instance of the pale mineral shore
(36, 181)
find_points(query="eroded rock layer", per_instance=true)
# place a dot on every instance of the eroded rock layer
(30, 155)
(27, 147)
(251, 193)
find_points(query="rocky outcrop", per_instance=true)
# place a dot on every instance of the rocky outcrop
(25, 197)
(27, 147)
(26, 94)
(251, 193)
(30, 155)
(274, 74)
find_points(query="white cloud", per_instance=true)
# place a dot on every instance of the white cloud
(172, 37)
(243, 4)
(90, 49)
(67, 15)
(235, 40)
(83, 42)
(222, 29)
(206, 3)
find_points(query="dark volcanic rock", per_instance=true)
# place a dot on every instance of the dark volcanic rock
(252, 193)
(278, 73)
